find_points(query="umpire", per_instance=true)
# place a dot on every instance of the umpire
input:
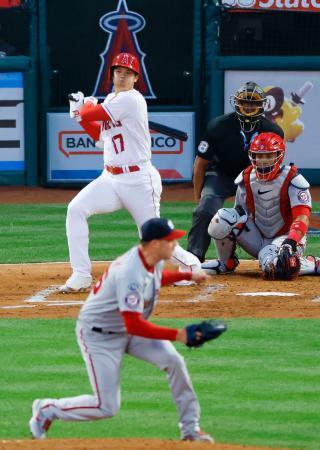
(221, 156)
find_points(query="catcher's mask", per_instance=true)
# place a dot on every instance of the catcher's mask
(249, 103)
(125, 60)
(266, 154)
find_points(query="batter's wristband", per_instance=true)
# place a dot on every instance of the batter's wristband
(297, 230)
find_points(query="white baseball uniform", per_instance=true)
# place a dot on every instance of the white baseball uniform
(129, 180)
(128, 285)
(269, 216)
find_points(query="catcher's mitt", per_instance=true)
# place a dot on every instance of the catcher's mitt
(286, 266)
(199, 333)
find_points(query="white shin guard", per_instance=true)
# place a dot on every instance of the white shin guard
(225, 248)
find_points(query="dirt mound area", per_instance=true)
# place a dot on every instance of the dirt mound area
(31, 290)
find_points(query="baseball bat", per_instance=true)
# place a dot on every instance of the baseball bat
(164, 129)
(168, 131)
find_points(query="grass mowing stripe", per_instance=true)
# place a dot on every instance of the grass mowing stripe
(33, 233)
(257, 384)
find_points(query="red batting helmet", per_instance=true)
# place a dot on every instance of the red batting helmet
(266, 153)
(126, 60)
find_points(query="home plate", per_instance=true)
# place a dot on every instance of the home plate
(268, 294)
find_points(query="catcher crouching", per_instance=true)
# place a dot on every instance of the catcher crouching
(270, 218)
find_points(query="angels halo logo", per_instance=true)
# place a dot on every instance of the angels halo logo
(122, 26)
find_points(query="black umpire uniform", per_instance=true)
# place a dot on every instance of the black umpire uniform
(225, 149)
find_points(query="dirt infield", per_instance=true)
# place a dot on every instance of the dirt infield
(34, 293)
(116, 444)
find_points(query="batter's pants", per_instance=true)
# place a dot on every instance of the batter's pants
(138, 192)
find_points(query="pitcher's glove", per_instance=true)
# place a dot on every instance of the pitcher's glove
(199, 333)
(286, 265)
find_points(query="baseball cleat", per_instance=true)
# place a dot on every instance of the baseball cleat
(200, 436)
(39, 423)
(217, 267)
(76, 283)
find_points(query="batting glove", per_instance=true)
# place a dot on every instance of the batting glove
(76, 101)
(90, 99)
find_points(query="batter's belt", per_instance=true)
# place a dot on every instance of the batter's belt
(117, 170)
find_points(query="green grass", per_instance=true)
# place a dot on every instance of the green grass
(36, 233)
(258, 384)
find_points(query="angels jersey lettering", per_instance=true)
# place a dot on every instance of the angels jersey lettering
(126, 136)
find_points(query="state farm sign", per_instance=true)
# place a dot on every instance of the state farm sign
(285, 5)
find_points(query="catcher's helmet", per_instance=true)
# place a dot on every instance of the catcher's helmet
(125, 60)
(249, 102)
(266, 153)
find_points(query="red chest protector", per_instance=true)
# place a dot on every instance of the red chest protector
(285, 206)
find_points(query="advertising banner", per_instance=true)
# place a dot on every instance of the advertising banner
(292, 102)
(73, 156)
(275, 5)
(11, 121)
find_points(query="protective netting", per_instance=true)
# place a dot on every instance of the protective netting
(269, 33)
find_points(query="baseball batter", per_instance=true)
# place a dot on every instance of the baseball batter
(113, 321)
(270, 219)
(129, 180)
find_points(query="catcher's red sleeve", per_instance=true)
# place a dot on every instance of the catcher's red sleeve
(298, 227)
(138, 326)
(300, 211)
(171, 276)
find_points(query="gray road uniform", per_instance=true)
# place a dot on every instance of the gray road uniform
(103, 340)
(268, 218)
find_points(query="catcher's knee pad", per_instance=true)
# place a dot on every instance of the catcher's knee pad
(227, 220)
(266, 255)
